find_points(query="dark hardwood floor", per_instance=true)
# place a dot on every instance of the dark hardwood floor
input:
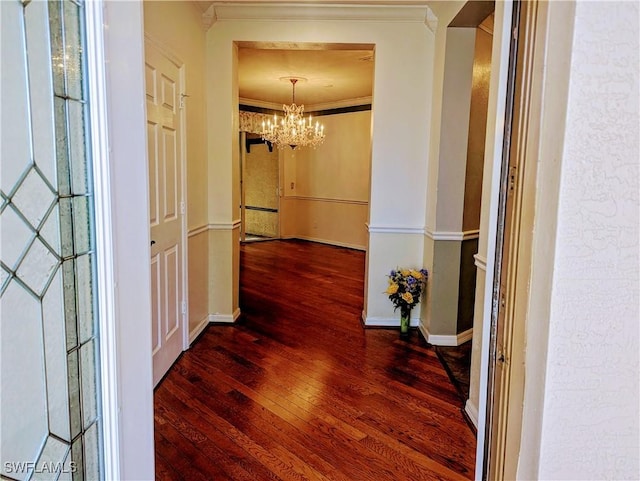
(298, 390)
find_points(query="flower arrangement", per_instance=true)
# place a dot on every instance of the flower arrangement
(405, 288)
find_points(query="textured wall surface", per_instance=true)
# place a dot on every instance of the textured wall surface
(261, 182)
(591, 419)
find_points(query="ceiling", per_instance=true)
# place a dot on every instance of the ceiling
(332, 75)
(327, 75)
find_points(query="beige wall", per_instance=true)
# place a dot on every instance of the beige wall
(329, 201)
(473, 176)
(340, 167)
(458, 78)
(177, 28)
(477, 130)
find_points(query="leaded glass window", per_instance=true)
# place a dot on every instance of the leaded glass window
(49, 393)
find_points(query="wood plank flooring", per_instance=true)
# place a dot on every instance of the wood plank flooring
(298, 390)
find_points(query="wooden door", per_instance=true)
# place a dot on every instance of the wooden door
(164, 131)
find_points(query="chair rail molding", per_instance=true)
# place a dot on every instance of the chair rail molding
(480, 262)
(452, 235)
(394, 229)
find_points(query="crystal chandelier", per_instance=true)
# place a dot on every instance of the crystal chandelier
(292, 129)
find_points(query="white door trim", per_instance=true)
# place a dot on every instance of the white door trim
(114, 38)
(106, 305)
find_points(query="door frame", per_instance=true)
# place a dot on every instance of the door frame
(546, 72)
(182, 107)
(114, 33)
(493, 153)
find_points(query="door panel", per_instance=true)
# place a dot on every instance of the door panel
(155, 303)
(164, 131)
(169, 174)
(172, 314)
(152, 143)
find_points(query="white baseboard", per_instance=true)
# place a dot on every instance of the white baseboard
(198, 329)
(228, 318)
(387, 321)
(446, 340)
(329, 242)
(472, 412)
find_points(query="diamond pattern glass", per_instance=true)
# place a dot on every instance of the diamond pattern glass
(33, 198)
(16, 237)
(49, 393)
(37, 267)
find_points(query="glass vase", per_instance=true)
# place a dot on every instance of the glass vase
(405, 317)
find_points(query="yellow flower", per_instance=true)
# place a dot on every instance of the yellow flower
(405, 272)
(407, 297)
(416, 274)
(393, 288)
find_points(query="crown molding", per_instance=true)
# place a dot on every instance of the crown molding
(282, 11)
(340, 104)
(209, 17)
(431, 21)
(260, 103)
(309, 108)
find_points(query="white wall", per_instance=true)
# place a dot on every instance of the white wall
(130, 233)
(591, 419)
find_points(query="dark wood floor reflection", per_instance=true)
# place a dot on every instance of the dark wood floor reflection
(298, 390)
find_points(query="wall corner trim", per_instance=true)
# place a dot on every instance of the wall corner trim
(480, 262)
(472, 411)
